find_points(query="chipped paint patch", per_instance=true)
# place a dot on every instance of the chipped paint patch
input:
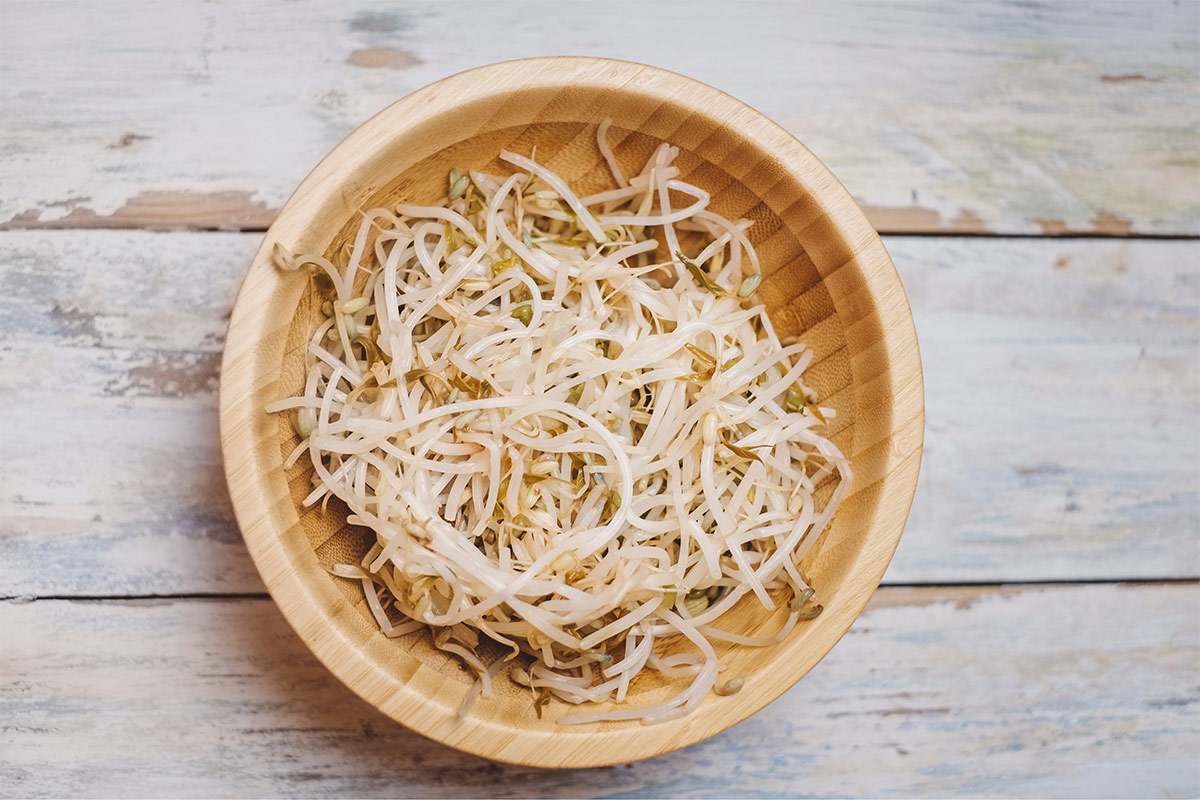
(382, 58)
(1129, 78)
(896, 219)
(161, 210)
(961, 597)
(1105, 222)
(1052, 227)
(917, 219)
(968, 222)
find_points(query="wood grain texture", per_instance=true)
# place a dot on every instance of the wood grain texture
(1061, 691)
(1047, 345)
(939, 116)
(826, 277)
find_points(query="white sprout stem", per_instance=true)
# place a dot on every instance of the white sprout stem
(559, 185)
(606, 151)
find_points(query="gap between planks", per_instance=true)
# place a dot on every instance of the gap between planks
(882, 230)
(982, 585)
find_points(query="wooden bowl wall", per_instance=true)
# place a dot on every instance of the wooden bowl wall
(827, 278)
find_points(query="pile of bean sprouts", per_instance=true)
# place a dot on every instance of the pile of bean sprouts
(571, 428)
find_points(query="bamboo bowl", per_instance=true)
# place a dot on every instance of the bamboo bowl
(827, 278)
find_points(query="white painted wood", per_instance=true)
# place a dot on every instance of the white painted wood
(1062, 415)
(108, 377)
(1007, 117)
(1063, 399)
(1065, 691)
(1061, 390)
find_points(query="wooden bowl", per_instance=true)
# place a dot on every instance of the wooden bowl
(827, 278)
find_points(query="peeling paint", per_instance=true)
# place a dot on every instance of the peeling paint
(161, 210)
(1052, 227)
(902, 218)
(917, 219)
(1129, 78)
(382, 58)
(168, 375)
(1105, 222)
(962, 597)
(967, 222)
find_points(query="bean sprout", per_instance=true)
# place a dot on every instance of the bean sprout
(568, 436)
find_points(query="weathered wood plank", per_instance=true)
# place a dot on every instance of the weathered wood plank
(995, 116)
(110, 347)
(1063, 411)
(1054, 692)
(1062, 414)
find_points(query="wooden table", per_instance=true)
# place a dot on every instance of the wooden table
(1035, 168)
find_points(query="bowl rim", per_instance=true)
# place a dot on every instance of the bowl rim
(314, 611)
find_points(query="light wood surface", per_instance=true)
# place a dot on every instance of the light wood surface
(985, 116)
(1063, 440)
(1082, 691)
(827, 278)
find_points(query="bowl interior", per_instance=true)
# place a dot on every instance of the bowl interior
(821, 265)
